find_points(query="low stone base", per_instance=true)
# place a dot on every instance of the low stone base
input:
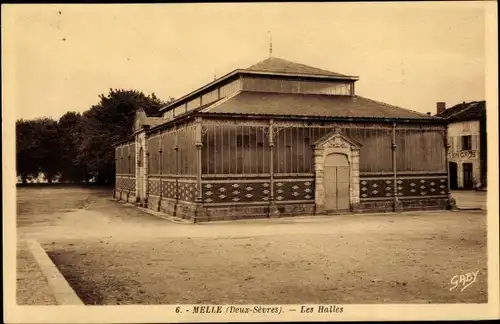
(199, 213)
(124, 195)
(132, 198)
(424, 204)
(386, 206)
(186, 211)
(376, 206)
(209, 213)
(171, 207)
(154, 203)
(451, 204)
(295, 209)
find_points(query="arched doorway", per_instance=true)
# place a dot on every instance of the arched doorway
(336, 182)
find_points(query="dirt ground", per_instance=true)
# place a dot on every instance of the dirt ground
(115, 254)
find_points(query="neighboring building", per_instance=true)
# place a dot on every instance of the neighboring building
(282, 138)
(467, 138)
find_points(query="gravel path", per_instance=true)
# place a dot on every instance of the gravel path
(115, 254)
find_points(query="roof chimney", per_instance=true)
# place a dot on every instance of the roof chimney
(441, 106)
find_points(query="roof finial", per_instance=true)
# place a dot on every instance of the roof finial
(270, 44)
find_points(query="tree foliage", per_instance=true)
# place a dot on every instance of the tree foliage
(79, 146)
(71, 134)
(25, 148)
(38, 147)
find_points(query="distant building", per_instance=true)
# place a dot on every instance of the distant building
(467, 137)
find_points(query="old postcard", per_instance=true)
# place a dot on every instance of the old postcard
(221, 162)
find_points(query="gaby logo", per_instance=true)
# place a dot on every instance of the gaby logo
(464, 280)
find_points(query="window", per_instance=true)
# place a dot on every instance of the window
(466, 143)
(139, 158)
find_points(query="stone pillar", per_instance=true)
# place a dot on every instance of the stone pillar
(355, 179)
(319, 194)
(451, 203)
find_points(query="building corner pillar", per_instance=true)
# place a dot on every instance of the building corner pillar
(319, 191)
(451, 203)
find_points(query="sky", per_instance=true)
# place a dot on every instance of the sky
(62, 57)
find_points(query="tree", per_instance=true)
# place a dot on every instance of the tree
(70, 128)
(25, 149)
(79, 146)
(48, 147)
(110, 121)
(37, 148)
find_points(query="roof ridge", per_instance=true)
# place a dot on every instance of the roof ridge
(468, 106)
(397, 107)
(319, 71)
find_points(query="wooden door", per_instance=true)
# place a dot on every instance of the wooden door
(453, 170)
(336, 181)
(467, 170)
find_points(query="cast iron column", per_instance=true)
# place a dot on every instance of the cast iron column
(136, 189)
(394, 170)
(176, 150)
(160, 167)
(273, 211)
(146, 175)
(199, 147)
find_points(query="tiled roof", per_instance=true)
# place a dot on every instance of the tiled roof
(278, 65)
(269, 66)
(465, 111)
(286, 104)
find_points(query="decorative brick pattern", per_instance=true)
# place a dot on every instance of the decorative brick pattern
(125, 183)
(422, 187)
(238, 191)
(154, 187)
(168, 188)
(294, 190)
(406, 187)
(378, 188)
(187, 191)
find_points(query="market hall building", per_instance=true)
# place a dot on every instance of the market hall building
(281, 139)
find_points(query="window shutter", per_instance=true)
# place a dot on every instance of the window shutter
(474, 142)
